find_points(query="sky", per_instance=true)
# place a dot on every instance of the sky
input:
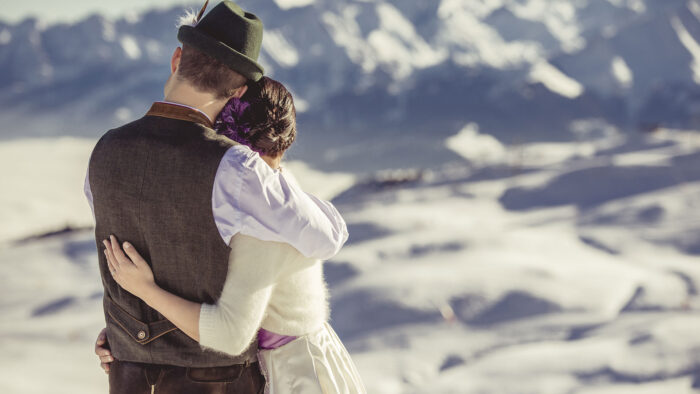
(52, 11)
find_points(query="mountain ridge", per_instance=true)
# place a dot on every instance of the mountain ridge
(372, 71)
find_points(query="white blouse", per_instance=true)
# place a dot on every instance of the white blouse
(251, 198)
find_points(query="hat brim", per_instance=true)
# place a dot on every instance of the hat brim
(235, 60)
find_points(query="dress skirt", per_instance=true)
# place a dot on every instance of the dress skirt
(315, 363)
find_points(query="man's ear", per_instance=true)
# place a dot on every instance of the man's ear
(240, 91)
(175, 60)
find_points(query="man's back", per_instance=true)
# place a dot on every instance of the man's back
(151, 182)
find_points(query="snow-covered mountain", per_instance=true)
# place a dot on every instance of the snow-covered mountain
(395, 75)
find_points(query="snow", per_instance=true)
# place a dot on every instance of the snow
(390, 49)
(322, 184)
(473, 146)
(51, 312)
(690, 44)
(559, 16)
(476, 43)
(491, 265)
(392, 20)
(555, 80)
(694, 7)
(287, 4)
(398, 43)
(130, 47)
(622, 72)
(43, 189)
(675, 386)
(478, 8)
(635, 5)
(280, 49)
(345, 32)
(393, 44)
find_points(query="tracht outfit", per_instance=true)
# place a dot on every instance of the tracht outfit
(167, 184)
(221, 228)
(268, 284)
(179, 195)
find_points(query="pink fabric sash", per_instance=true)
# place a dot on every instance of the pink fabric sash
(270, 340)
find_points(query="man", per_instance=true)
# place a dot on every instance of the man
(171, 187)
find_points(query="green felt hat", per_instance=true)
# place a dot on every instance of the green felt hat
(230, 35)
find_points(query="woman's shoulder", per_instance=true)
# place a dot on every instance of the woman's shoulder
(241, 158)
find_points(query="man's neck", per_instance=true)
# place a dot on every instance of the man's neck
(186, 95)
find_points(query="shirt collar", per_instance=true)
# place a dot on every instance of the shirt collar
(187, 106)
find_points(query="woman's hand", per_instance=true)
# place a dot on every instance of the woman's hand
(129, 270)
(102, 350)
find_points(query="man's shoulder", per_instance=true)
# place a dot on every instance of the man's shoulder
(122, 131)
(154, 127)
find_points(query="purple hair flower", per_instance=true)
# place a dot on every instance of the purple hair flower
(229, 122)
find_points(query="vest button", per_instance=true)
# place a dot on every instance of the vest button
(141, 334)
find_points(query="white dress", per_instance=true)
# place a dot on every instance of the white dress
(315, 363)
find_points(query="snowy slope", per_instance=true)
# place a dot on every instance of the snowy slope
(529, 268)
(471, 294)
(47, 194)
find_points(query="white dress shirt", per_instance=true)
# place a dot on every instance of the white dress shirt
(251, 198)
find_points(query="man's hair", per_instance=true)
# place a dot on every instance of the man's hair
(208, 74)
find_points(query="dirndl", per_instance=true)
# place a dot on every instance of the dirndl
(315, 363)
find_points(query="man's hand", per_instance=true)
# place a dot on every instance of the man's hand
(102, 350)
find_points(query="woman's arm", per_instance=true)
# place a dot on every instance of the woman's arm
(255, 266)
(231, 324)
(181, 312)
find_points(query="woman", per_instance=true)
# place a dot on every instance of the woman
(282, 301)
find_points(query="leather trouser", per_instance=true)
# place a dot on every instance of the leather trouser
(137, 378)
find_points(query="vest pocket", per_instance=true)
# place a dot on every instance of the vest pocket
(141, 332)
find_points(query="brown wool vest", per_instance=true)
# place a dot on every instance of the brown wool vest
(152, 182)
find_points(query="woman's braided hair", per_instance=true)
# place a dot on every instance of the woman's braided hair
(263, 119)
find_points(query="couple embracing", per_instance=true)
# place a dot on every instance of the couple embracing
(210, 252)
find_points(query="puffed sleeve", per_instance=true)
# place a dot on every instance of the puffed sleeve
(251, 198)
(254, 268)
